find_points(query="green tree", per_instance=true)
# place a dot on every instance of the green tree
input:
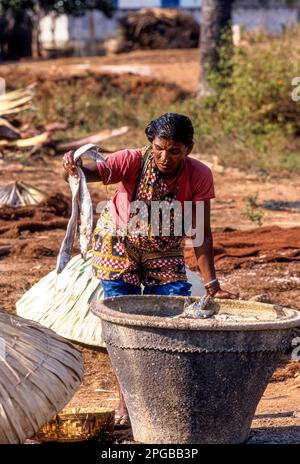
(72, 7)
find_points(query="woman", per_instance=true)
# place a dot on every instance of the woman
(126, 257)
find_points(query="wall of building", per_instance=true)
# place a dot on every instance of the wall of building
(61, 33)
(273, 20)
(104, 27)
(131, 4)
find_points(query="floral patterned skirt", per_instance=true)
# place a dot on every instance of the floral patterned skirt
(118, 257)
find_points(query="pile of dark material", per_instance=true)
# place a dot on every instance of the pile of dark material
(235, 249)
(47, 215)
(157, 28)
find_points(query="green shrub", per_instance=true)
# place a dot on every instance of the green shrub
(252, 121)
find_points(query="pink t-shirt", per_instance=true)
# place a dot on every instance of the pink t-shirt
(195, 182)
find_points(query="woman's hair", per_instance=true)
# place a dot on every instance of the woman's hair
(173, 126)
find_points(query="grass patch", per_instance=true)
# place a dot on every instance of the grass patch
(253, 211)
(97, 102)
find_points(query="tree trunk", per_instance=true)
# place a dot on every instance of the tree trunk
(92, 34)
(215, 24)
(19, 36)
(53, 29)
(36, 33)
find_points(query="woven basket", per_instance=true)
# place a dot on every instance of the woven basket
(77, 424)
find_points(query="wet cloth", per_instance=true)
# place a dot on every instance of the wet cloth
(148, 259)
(81, 206)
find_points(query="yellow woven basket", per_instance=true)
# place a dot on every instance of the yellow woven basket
(77, 424)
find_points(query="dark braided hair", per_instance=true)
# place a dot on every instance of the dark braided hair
(173, 126)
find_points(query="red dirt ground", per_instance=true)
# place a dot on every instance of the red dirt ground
(253, 261)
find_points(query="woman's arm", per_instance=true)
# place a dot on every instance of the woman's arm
(204, 253)
(91, 172)
(205, 256)
(121, 165)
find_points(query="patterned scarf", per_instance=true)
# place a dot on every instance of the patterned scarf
(153, 187)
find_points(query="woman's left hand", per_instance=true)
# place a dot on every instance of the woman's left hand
(226, 295)
(213, 288)
(216, 290)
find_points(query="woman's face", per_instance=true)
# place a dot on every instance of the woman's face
(168, 155)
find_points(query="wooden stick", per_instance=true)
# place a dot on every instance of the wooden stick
(95, 138)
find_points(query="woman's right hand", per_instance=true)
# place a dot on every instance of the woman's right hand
(70, 167)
